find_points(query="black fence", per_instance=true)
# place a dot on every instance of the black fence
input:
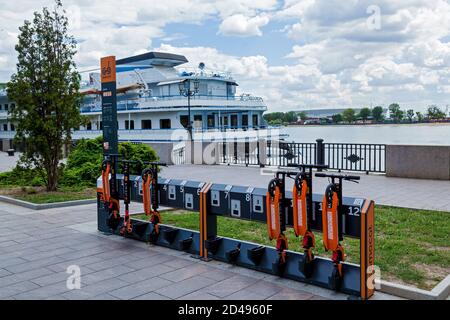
(338, 156)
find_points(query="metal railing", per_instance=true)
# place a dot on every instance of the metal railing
(179, 156)
(356, 157)
(361, 157)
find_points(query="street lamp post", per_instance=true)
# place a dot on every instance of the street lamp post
(185, 90)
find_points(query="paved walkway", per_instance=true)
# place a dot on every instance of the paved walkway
(37, 247)
(400, 192)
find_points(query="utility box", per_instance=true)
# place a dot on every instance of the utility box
(240, 199)
(258, 204)
(191, 194)
(172, 193)
(219, 199)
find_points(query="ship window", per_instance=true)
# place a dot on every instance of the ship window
(146, 124)
(184, 120)
(89, 126)
(234, 121)
(5, 127)
(245, 120)
(129, 125)
(12, 127)
(6, 107)
(255, 120)
(198, 121)
(211, 122)
(225, 121)
(164, 124)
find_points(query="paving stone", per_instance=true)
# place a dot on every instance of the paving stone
(21, 267)
(229, 286)
(5, 263)
(179, 263)
(185, 287)
(19, 277)
(96, 289)
(4, 272)
(117, 271)
(51, 278)
(289, 294)
(245, 295)
(46, 254)
(43, 292)
(218, 274)
(187, 272)
(146, 273)
(17, 288)
(140, 288)
(264, 288)
(104, 296)
(151, 296)
(7, 243)
(199, 295)
(148, 262)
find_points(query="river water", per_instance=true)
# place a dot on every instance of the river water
(415, 134)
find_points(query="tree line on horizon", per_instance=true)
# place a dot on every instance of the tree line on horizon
(376, 114)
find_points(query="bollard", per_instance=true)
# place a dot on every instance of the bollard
(320, 153)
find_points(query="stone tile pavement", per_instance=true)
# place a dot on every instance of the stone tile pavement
(37, 247)
(400, 192)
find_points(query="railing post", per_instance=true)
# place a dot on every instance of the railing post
(320, 152)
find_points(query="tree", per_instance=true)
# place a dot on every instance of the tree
(395, 112)
(45, 89)
(348, 115)
(336, 118)
(419, 116)
(410, 114)
(273, 116)
(364, 114)
(303, 116)
(290, 117)
(377, 114)
(433, 112)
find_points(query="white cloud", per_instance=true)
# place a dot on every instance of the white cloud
(335, 59)
(242, 26)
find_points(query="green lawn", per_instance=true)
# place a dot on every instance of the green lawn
(38, 195)
(411, 246)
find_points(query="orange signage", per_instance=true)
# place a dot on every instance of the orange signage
(108, 69)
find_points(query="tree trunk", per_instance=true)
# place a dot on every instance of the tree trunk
(52, 176)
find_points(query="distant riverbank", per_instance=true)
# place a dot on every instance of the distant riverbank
(370, 124)
(410, 133)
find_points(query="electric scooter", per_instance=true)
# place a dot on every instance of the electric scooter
(332, 216)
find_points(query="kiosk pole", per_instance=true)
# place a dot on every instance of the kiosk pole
(109, 106)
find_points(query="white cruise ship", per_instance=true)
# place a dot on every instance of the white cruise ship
(152, 108)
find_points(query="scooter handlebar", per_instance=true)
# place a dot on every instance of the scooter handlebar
(338, 176)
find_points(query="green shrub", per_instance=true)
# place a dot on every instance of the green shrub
(83, 165)
(20, 176)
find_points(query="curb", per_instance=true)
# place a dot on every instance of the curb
(440, 292)
(35, 206)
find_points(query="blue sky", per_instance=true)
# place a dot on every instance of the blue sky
(293, 53)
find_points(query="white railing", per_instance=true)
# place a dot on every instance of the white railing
(177, 135)
(7, 134)
(179, 101)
